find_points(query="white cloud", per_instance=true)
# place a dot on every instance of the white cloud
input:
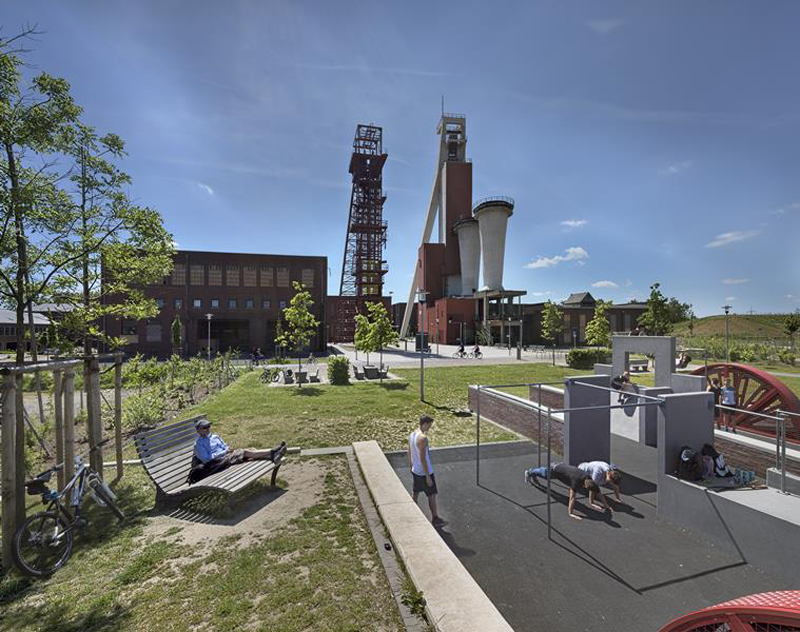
(789, 207)
(604, 284)
(628, 282)
(605, 27)
(794, 298)
(206, 188)
(735, 281)
(730, 299)
(730, 238)
(574, 253)
(547, 293)
(573, 223)
(675, 169)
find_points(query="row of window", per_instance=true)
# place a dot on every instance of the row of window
(251, 276)
(214, 303)
(11, 330)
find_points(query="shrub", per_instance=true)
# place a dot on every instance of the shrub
(145, 410)
(339, 370)
(786, 356)
(587, 358)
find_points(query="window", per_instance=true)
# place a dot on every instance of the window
(198, 302)
(160, 302)
(282, 304)
(215, 275)
(196, 275)
(283, 277)
(249, 274)
(128, 327)
(248, 303)
(231, 303)
(232, 276)
(179, 274)
(215, 303)
(153, 332)
(266, 303)
(178, 302)
(308, 277)
(266, 276)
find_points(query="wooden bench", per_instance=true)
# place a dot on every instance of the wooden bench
(638, 365)
(313, 376)
(383, 372)
(166, 455)
(359, 375)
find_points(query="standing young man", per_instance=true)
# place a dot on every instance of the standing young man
(419, 460)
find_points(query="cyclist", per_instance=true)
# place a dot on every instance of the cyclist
(461, 351)
(477, 351)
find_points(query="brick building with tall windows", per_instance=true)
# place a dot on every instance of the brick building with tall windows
(244, 295)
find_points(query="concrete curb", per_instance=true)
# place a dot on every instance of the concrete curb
(454, 601)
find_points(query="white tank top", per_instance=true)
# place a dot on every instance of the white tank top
(416, 463)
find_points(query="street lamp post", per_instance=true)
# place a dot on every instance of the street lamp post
(208, 348)
(437, 336)
(508, 335)
(727, 309)
(421, 295)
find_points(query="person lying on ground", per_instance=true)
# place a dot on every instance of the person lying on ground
(574, 478)
(603, 473)
(212, 454)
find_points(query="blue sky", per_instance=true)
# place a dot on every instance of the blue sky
(641, 141)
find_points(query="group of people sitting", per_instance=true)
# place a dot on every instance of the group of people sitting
(587, 476)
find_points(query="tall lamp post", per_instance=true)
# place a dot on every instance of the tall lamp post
(437, 336)
(208, 348)
(727, 309)
(421, 295)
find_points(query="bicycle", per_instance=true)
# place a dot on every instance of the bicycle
(43, 543)
(267, 376)
(476, 354)
(460, 354)
(312, 361)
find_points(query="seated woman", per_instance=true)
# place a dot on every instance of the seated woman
(212, 454)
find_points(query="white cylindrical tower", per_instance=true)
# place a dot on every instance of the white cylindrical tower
(492, 214)
(469, 248)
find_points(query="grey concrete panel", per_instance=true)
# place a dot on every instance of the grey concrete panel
(792, 481)
(648, 416)
(683, 419)
(757, 537)
(587, 434)
(625, 421)
(604, 369)
(662, 347)
(682, 383)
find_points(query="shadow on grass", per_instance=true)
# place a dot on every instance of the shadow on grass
(221, 509)
(394, 386)
(307, 391)
(103, 614)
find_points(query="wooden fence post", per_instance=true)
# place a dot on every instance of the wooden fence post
(69, 424)
(59, 429)
(9, 468)
(118, 412)
(19, 448)
(94, 406)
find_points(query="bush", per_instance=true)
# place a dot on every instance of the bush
(145, 410)
(786, 356)
(339, 370)
(587, 358)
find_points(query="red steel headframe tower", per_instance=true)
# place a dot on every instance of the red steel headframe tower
(363, 266)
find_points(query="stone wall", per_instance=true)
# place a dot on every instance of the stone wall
(552, 397)
(514, 415)
(749, 458)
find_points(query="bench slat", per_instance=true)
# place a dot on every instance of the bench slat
(154, 462)
(146, 450)
(169, 427)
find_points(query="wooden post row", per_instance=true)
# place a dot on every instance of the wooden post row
(118, 413)
(69, 424)
(59, 429)
(9, 479)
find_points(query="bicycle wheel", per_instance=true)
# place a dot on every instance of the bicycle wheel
(108, 500)
(42, 544)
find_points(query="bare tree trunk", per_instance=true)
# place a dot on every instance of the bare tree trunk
(34, 356)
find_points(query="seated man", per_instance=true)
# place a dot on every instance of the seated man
(603, 473)
(212, 454)
(572, 477)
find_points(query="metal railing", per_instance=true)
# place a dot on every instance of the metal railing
(505, 199)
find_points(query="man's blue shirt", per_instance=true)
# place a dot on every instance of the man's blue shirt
(210, 447)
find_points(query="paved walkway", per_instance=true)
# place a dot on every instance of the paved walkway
(629, 572)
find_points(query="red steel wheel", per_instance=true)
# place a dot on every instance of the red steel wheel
(777, 611)
(758, 391)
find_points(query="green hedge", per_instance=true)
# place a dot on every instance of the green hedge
(587, 358)
(339, 370)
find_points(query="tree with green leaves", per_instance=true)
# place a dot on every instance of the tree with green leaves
(301, 325)
(177, 335)
(598, 330)
(363, 340)
(678, 312)
(382, 330)
(692, 319)
(790, 325)
(552, 325)
(656, 319)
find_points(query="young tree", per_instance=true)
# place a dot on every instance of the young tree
(552, 325)
(300, 323)
(177, 335)
(383, 331)
(598, 330)
(790, 325)
(656, 319)
(692, 319)
(363, 339)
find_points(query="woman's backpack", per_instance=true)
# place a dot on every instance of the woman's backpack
(690, 464)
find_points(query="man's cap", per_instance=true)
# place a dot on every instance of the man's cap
(203, 423)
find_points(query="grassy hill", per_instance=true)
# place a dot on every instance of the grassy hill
(741, 326)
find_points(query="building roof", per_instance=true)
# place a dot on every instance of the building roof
(46, 308)
(580, 298)
(9, 317)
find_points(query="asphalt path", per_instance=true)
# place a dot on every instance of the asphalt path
(628, 571)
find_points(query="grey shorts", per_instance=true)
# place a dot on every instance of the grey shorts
(421, 485)
(234, 457)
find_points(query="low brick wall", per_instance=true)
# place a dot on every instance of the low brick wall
(551, 397)
(749, 458)
(514, 415)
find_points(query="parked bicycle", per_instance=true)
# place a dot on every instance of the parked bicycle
(43, 543)
(268, 375)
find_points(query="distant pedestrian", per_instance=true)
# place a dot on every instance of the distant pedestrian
(715, 389)
(728, 397)
(419, 460)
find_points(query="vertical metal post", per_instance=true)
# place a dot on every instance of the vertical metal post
(549, 466)
(422, 356)
(118, 413)
(59, 428)
(783, 453)
(478, 439)
(9, 486)
(539, 429)
(69, 423)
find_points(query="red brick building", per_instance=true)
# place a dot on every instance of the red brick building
(233, 300)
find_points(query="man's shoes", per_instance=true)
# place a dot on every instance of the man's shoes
(277, 453)
(438, 522)
(531, 478)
